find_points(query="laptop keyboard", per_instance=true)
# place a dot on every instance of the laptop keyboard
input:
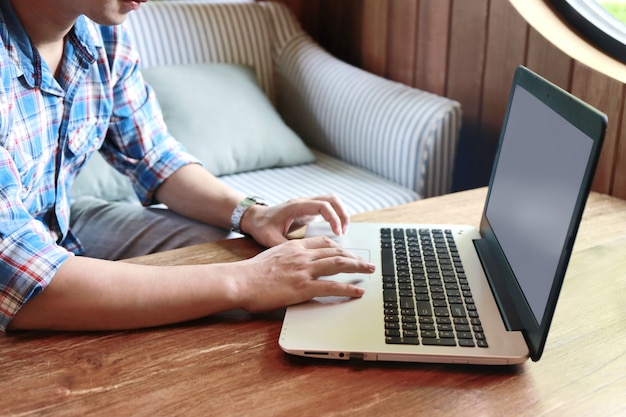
(426, 295)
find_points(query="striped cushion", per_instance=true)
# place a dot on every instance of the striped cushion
(170, 33)
(404, 134)
(359, 190)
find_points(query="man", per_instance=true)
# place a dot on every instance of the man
(70, 86)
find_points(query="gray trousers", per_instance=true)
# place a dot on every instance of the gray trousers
(123, 230)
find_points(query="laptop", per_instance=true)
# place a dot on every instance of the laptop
(456, 294)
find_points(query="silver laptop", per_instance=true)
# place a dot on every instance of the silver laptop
(457, 294)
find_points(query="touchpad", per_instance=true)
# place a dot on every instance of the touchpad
(323, 229)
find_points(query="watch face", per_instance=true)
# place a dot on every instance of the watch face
(247, 202)
(258, 200)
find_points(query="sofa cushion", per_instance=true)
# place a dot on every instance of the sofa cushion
(359, 190)
(221, 115)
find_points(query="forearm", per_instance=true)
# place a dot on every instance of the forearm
(195, 193)
(90, 294)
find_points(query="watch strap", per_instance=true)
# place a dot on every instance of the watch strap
(242, 207)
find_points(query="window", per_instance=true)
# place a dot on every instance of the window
(602, 22)
(617, 9)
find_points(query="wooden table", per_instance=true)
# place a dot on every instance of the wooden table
(231, 364)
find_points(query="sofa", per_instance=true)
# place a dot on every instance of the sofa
(271, 113)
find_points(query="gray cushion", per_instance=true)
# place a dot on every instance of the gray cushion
(221, 115)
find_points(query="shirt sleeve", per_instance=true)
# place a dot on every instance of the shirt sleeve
(29, 257)
(138, 142)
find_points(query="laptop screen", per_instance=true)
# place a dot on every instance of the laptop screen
(548, 151)
(542, 163)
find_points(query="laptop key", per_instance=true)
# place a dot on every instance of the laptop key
(428, 341)
(429, 334)
(392, 332)
(393, 340)
(458, 310)
(423, 309)
(466, 343)
(441, 312)
(407, 302)
(410, 333)
(390, 296)
(387, 263)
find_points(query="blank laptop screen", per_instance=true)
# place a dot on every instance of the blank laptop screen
(541, 166)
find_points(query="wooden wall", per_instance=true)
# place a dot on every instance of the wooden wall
(466, 50)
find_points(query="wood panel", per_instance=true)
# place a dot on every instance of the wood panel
(343, 21)
(546, 59)
(603, 93)
(619, 175)
(465, 73)
(468, 50)
(506, 46)
(433, 38)
(403, 40)
(506, 49)
(467, 55)
(373, 49)
(308, 13)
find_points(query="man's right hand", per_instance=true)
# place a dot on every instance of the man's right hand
(288, 274)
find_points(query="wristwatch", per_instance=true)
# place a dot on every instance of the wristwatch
(245, 204)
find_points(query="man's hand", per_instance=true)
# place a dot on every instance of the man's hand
(270, 226)
(288, 274)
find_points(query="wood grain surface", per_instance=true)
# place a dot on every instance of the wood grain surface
(230, 364)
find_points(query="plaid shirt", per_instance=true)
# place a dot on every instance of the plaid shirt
(49, 129)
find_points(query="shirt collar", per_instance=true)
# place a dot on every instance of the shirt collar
(86, 36)
(83, 37)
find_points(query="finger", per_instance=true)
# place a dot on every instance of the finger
(334, 288)
(303, 211)
(327, 211)
(317, 242)
(340, 264)
(339, 209)
(322, 253)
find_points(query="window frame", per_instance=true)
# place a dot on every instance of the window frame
(596, 24)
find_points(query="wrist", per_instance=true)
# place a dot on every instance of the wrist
(243, 208)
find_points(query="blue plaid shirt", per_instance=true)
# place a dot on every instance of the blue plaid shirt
(48, 130)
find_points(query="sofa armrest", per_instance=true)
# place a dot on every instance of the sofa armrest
(401, 133)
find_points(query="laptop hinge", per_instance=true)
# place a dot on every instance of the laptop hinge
(497, 271)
